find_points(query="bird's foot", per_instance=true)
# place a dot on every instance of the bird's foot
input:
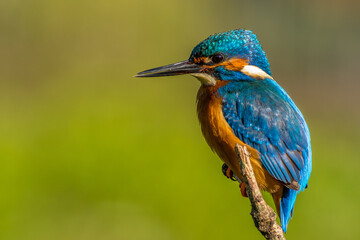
(243, 189)
(227, 172)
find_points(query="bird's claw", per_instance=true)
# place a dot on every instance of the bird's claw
(243, 189)
(227, 172)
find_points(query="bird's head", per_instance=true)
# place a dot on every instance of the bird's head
(231, 56)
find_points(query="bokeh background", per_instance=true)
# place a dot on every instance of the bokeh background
(89, 152)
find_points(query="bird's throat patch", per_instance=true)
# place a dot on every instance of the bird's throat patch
(205, 79)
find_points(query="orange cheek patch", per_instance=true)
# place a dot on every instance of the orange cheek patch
(199, 60)
(235, 64)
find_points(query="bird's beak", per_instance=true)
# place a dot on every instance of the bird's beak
(179, 68)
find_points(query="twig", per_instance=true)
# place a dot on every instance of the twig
(263, 215)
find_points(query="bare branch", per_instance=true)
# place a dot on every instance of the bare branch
(263, 215)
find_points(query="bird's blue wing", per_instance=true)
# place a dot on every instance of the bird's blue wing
(264, 117)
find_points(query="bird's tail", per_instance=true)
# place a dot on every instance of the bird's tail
(287, 203)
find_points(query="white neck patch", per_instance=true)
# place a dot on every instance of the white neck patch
(255, 72)
(205, 78)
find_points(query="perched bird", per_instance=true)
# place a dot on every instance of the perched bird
(240, 102)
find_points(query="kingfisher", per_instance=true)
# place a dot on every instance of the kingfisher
(239, 102)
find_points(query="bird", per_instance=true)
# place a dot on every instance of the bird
(239, 102)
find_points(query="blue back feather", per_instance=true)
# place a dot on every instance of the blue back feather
(264, 117)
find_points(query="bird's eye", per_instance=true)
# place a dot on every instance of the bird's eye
(217, 58)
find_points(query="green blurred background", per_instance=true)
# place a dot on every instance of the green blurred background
(89, 152)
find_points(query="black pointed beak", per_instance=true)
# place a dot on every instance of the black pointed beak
(179, 68)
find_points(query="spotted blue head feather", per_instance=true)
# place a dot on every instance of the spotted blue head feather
(242, 44)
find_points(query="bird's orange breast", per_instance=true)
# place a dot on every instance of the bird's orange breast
(221, 138)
